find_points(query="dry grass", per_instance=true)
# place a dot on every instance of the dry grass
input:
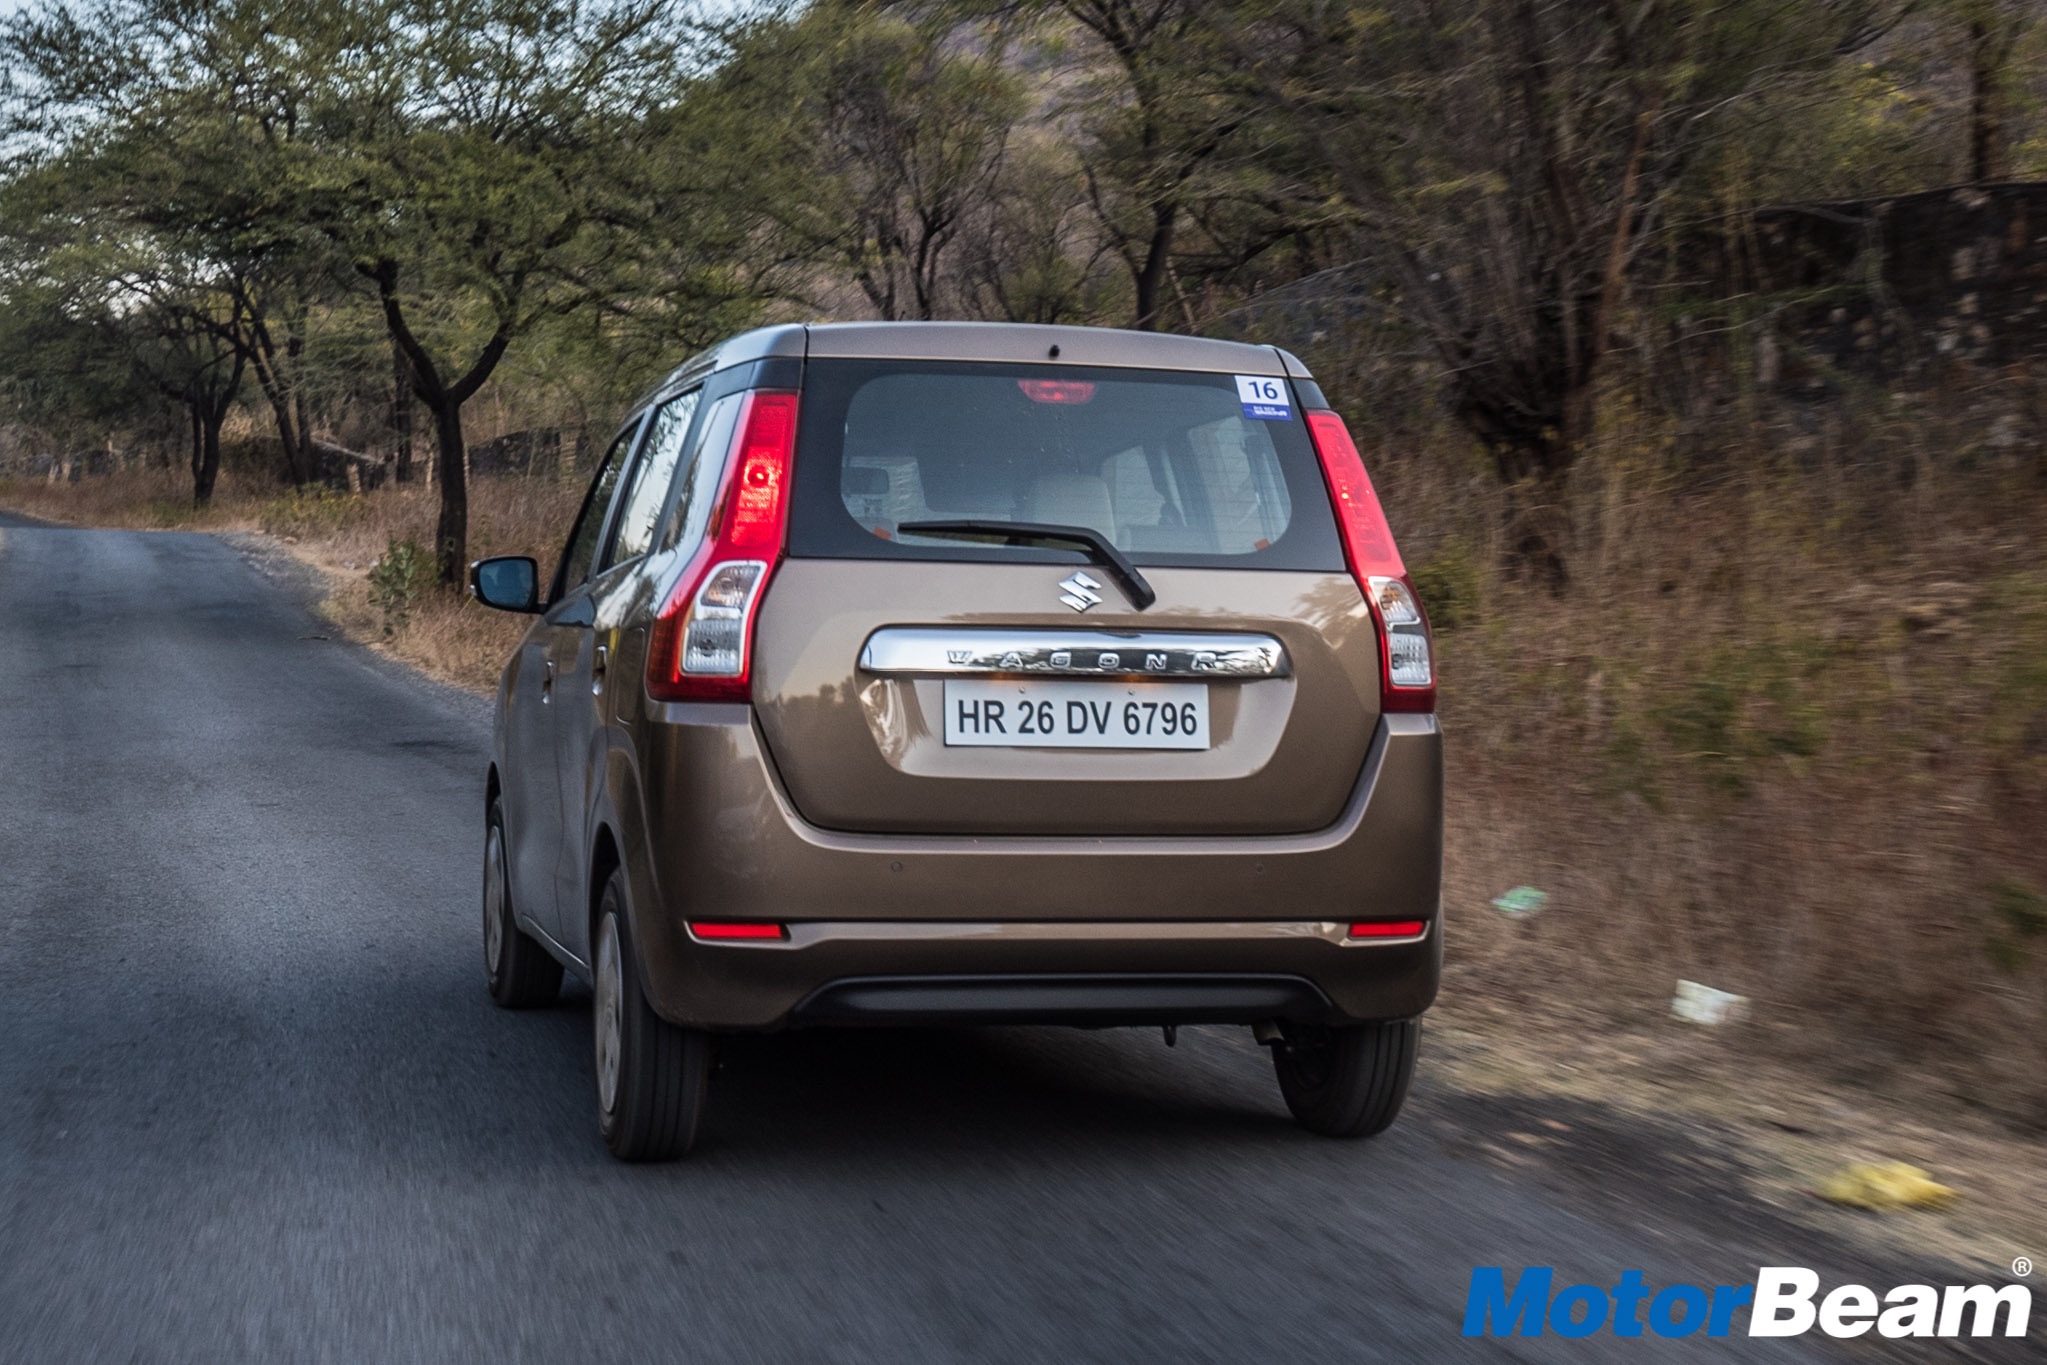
(346, 538)
(1785, 733)
(1705, 1126)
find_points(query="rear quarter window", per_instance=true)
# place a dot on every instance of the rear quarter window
(1169, 466)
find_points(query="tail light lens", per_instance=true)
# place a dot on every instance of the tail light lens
(1407, 656)
(1389, 928)
(702, 645)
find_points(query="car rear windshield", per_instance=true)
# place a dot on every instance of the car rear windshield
(1172, 468)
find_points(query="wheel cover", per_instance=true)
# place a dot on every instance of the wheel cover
(608, 997)
(494, 901)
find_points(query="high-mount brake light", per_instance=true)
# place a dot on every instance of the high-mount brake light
(1068, 391)
(1407, 677)
(702, 645)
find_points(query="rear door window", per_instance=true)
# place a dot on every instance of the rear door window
(1172, 468)
(698, 481)
(653, 474)
(581, 550)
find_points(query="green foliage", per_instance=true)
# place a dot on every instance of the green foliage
(573, 196)
(306, 186)
(1628, 767)
(881, 145)
(167, 513)
(2018, 915)
(1865, 128)
(1504, 160)
(2018, 602)
(1452, 585)
(305, 513)
(1745, 701)
(402, 577)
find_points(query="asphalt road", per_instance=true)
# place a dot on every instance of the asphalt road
(255, 1104)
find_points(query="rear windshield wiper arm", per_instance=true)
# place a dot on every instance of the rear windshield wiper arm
(1083, 538)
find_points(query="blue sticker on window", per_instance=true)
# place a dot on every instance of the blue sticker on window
(1263, 398)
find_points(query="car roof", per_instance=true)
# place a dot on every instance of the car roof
(993, 342)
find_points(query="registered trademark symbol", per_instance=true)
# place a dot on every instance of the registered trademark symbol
(2023, 1265)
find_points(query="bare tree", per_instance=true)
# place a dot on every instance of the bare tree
(1991, 31)
(881, 140)
(1507, 164)
(1173, 95)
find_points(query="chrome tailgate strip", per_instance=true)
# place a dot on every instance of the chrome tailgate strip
(1073, 653)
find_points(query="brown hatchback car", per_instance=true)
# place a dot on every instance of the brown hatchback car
(947, 673)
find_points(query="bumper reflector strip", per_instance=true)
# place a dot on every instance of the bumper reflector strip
(720, 930)
(1389, 928)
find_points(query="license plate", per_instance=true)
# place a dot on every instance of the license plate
(1077, 715)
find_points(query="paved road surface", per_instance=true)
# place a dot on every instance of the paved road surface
(254, 1103)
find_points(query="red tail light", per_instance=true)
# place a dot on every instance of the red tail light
(702, 645)
(731, 931)
(1407, 656)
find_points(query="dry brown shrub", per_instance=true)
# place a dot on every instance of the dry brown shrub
(1785, 732)
(344, 535)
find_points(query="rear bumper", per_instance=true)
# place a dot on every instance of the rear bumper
(1063, 998)
(888, 928)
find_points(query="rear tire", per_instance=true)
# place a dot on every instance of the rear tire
(652, 1077)
(1346, 1081)
(521, 974)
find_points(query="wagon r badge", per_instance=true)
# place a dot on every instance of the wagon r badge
(1081, 592)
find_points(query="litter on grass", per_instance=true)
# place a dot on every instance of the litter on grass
(1885, 1185)
(1521, 902)
(1699, 1004)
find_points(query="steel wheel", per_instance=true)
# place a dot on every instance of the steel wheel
(608, 989)
(493, 899)
(652, 1077)
(519, 972)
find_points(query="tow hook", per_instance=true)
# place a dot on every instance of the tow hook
(1266, 1033)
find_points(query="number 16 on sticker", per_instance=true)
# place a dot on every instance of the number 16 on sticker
(1263, 398)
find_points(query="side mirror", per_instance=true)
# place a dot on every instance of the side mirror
(508, 582)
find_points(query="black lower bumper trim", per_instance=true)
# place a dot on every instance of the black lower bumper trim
(1054, 998)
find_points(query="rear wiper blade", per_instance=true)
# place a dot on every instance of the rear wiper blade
(1084, 538)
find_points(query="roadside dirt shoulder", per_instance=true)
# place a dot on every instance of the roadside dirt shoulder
(1655, 1123)
(1661, 1126)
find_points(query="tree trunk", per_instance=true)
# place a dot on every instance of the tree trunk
(295, 471)
(198, 451)
(206, 468)
(1151, 277)
(1986, 123)
(444, 400)
(1581, 417)
(304, 463)
(401, 412)
(451, 531)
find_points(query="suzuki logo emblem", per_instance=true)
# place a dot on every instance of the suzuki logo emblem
(1081, 592)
